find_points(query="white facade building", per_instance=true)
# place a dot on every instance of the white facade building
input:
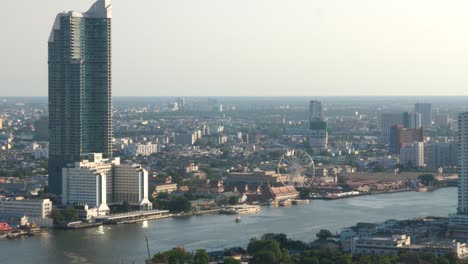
(38, 211)
(85, 183)
(32, 208)
(141, 149)
(101, 182)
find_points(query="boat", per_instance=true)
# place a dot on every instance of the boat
(238, 219)
(299, 201)
(5, 227)
(240, 209)
(29, 227)
(144, 224)
(100, 230)
(285, 202)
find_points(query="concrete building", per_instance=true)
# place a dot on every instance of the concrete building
(130, 184)
(396, 244)
(412, 120)
(400, 136)
(440, 154)
(461, 217)
(316, 111)
(31, 208)
(441, 120)
(318, 126)
(80, 107)
(37, 211)
(412, 154)
(387, 120)
(101, 182)
(141, 149)
(425, 109)
(185, 139)
(84, 183)
(256, 177)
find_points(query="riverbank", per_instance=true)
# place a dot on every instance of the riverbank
(217, 232)
(356, 194)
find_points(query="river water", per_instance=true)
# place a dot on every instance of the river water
(126, 243)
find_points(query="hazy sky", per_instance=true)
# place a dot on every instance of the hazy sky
(256, 47)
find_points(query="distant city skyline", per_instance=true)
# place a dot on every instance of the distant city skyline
(255, 48)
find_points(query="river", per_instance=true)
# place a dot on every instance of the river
(126, 243)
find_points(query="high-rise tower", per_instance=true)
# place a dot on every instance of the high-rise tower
(318, 126)
(425, 109)
(80, 106)
(461, 217)
(316, 111)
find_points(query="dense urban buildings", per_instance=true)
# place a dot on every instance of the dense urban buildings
(80, 104)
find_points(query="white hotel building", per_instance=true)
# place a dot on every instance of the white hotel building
(101, 182)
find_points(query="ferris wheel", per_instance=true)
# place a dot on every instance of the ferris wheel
(298, 168)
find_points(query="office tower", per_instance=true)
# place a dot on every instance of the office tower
(388, 120)
(181, 103)
(400, 136)
(412, 154)
(318, 126)
(425, 109)
(461, 217)
(440, 154)
(411, 120)
(316, 111)
(441, 120)
(80, 104)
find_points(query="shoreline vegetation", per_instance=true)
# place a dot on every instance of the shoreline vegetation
(274, 248)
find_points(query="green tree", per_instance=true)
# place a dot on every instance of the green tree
(179, 204)
(201, 257)
(427, 179)
(232, 261)
(324, 234)
(57, 216)
(126, 207)
(70, 214)
(232, 200)
(264, 251)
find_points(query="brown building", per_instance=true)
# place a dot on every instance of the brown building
(400, 136)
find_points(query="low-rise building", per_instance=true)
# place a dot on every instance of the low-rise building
(38, 211)
(256, 177)
(396, 244)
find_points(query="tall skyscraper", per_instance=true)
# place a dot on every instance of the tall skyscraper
(316, 111)
(425, 109)
(461, 217)
(80, 107)
(387, 120)
(411, 120)
(318, 126)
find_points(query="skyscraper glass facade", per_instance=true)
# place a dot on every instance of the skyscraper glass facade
(80, 106)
